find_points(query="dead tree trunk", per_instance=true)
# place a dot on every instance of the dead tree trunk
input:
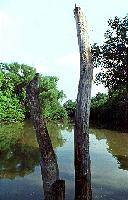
(81, 130)
(53, 187)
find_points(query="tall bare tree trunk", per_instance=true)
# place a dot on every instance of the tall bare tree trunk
(53, 187)
(81, 130)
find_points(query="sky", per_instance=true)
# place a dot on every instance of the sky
(43, 34)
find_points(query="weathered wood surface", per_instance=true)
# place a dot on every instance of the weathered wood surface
(81, 129)
(58, 189)
(49, 167)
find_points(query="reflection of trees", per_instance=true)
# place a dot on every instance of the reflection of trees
(9, 135)
(19, 152)
(54, 131)
(19, 161)
(117, 145)
(123, 161)
(67, 125)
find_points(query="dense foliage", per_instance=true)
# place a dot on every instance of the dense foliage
(112, 59)
(70, 107)
(109, 112)
(13, 103)
(13, 81)
(51, 98)
(112, 56)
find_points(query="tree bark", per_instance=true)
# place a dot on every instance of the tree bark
(48, 162)
(81, 129)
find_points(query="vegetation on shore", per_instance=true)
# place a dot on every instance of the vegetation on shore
(112, 58)
(13, 102)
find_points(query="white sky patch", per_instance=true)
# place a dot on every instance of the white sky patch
(44, 70)
(72, 59)
(6, 22)
(98, 88)
(5, 19)
(95, 71)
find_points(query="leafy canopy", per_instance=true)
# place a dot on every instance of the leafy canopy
(70, 107)
(112, 56)
(51, 97)
(13, 102)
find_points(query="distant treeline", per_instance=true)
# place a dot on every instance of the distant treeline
(107, 110)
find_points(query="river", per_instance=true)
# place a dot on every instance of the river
(20, 176)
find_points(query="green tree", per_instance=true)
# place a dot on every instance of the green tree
(13, 103)
(99, 105)
(70, 107)
(112, 56)
(10, 107)
(99, 100)
(19, 75)
(13, 87)
(51, 97)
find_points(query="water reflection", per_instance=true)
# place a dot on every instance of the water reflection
(19, 161)
(117, 145)
(19, 152)
(108, 181)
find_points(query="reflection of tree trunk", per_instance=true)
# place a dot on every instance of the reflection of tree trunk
(53, 187)
(81, 131)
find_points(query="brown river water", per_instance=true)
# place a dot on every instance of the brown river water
(20, 176)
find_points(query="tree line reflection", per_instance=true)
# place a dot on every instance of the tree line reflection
(19, 153)
(117, 145)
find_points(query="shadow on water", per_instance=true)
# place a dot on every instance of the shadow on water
(117, 145)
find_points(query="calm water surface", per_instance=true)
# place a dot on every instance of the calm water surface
(20, 171)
